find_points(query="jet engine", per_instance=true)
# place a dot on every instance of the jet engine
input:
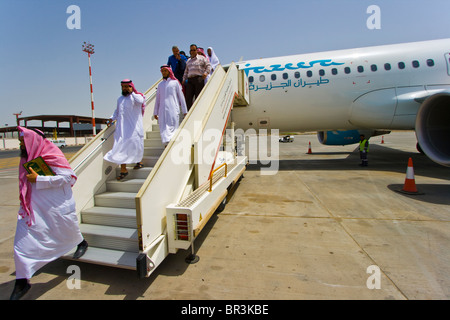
(342, 138)
(338, 138)
(433, 128)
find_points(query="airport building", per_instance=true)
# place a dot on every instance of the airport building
(72, 125)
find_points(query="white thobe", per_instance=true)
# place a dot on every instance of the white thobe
(55, 230)
(169, 100)
(129, 135)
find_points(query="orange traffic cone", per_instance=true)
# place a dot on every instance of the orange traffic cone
(410, 184)
(309, 149)
(382, 139)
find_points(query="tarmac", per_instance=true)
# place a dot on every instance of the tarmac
(320, 228)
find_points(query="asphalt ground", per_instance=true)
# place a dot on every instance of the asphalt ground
(321, 227)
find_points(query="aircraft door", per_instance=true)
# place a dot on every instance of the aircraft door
(447, 59)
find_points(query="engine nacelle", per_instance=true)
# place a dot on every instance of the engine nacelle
(338, 138)
(342, 138)
(433, 128)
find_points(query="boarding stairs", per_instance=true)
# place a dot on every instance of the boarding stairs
(133, 223)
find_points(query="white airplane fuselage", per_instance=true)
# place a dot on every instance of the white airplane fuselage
(327, 102)
(381, 87)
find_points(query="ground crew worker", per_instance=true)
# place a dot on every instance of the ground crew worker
(363, 150)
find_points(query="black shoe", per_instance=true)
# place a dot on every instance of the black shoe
(21, 287)
(81, 250)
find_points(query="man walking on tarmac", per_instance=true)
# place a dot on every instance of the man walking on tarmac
(47, 226)
(363, 150)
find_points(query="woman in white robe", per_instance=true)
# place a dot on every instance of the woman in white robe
(169, 100)
(129, 135)
(213, 59)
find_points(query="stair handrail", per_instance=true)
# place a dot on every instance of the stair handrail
(212, 174)
(95, 149)
(150, 206)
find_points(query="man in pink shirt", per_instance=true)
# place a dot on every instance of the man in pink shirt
(197, 69)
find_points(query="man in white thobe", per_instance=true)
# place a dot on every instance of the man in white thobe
(129, 135)
(169, 101)
(47, 227)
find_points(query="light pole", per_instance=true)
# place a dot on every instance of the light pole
(89, 48)
(17, 116)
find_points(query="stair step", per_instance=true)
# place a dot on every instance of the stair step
(107, 237)
(153, 135)
(125, 185)
(107, 216)
(153, 142)
(116, 199)
(153, 151)
(107, 257)
(136, 174)
(149, 161)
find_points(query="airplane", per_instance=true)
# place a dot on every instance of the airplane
(341, 94)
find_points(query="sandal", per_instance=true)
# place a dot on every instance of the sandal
(122, 176)
(138, 166)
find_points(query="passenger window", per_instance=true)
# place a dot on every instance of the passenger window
(401, 65)
(297, 74)
(430, 62)
(273, 77)
(285, 76)
(251, 79)
(374, 67)
(387, 66)
(347, 70)
(334, 71)
(321, 72)
(309, 73)
(360, 69)
(262, 78)
(415, 64)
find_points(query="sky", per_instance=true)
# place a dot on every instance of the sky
(43, 70)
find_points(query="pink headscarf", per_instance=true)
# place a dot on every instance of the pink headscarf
(37, 146)
(128, 81)
(171, 75)
(202, 52)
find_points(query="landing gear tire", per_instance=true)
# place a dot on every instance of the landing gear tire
(419, 148)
